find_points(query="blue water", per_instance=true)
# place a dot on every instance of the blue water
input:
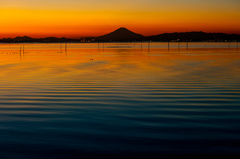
(119, 102)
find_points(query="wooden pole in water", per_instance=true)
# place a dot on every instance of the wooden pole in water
(148, 46)
(66, 47)
(168, 45)
(23, 49)
(20, 53)
(20, 50)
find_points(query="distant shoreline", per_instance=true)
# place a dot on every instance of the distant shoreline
(125, 35)
(86, 42)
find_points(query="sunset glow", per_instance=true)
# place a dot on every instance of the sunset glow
(72, 18)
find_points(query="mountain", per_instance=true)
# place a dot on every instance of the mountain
(121, 34)
(194, 36)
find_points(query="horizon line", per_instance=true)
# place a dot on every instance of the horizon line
(113, 31)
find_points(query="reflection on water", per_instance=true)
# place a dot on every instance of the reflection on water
(119, 100)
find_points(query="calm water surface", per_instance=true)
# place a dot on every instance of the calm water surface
(119, 100)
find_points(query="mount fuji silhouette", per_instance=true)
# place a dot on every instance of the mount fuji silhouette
(121, 34)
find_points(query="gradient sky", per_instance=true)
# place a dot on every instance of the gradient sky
(79, 18)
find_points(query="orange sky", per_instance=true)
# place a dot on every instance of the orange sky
(72, 18)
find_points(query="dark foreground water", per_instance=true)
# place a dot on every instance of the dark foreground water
(119, 100)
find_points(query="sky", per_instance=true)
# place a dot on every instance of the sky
(82, 18)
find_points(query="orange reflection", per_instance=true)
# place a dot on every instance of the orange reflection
(124, 62)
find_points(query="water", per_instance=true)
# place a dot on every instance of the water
(119, 100)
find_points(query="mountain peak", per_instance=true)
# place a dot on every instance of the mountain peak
(123, 29)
